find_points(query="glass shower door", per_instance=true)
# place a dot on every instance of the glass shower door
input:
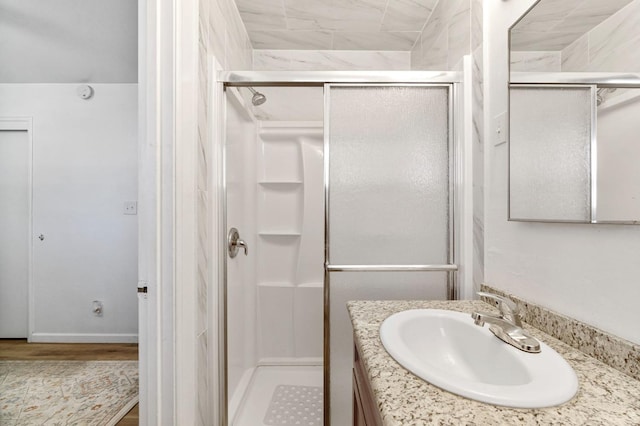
(388, 210)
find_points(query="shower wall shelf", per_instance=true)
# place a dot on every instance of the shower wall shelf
(276, 183)
(290, 248)
(275, 284)
(318, 284)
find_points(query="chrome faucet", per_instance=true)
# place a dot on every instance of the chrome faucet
(507, 326)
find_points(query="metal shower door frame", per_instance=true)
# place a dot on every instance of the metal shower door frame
(325, 79)
(449, 267)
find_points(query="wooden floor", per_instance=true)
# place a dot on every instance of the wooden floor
(19, 349)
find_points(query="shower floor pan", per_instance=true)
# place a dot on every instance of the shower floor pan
(283, 396)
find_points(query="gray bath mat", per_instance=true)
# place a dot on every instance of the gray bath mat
(295, 406)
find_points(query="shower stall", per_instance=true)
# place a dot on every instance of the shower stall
(336, 187)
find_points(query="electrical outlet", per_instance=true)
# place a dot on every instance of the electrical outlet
(130, 207)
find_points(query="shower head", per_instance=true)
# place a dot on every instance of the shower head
(258, 98)
(603, 93)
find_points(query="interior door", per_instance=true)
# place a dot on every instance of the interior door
(15, 221)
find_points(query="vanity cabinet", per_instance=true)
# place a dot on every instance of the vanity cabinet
(365, 410)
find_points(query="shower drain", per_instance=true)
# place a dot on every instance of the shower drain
(295, 406)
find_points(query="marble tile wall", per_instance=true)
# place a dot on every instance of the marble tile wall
(445, 38)
(554, 24)
(477, 141)
(330, 60)
(223, 44)
(453, 31)
(536, 61)
(329, 24)
(612, 46)
(575, 57)
(459, 34)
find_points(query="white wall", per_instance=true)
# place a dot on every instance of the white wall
(589, 272)
(84, 169)
(68, 41)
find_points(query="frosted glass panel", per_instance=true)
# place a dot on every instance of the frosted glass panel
(388, 175)
(388, 205)
(347, 286)
(618, 186)
(549, 153)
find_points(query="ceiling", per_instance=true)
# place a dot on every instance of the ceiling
(555, 24)
(335, 24)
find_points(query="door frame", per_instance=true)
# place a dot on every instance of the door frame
(168, 93)
(150, 192)
(26, 124)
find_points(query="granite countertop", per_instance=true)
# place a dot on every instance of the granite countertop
(606, 396)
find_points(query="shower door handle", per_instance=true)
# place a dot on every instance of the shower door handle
(234, 242)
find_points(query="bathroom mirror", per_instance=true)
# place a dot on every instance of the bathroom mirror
(574, 136)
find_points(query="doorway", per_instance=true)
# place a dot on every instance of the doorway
(75, 245)
(15, 226)
(78, 236)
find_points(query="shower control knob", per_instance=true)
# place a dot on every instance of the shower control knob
(234, 242)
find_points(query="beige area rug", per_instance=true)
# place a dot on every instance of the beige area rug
(66, 392)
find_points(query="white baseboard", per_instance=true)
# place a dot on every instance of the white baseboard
(82, 338)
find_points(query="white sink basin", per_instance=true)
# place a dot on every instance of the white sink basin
(448, 350)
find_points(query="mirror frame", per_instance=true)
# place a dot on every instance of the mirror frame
(549, 79)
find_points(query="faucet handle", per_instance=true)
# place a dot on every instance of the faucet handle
(507, 307)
